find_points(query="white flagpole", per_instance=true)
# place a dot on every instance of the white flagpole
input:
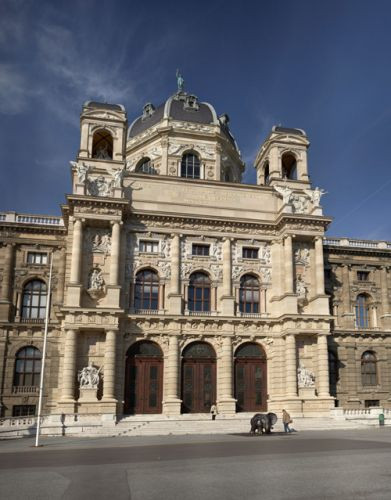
(44, 353)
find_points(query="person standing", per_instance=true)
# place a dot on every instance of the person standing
(213, 411)
(286, 420)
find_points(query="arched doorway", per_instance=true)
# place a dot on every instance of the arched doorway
(198, 378)
(250, 378)
(144, 378)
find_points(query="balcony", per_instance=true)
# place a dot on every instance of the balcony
(33, 321)
(25, 389)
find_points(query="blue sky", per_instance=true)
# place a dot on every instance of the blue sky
(323, 66)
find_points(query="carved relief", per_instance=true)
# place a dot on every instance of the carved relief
(98, 241)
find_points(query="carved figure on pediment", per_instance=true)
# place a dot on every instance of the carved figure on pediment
(130, 165)
(88, 377)
(305, 378)
(81, 171)
(285, 192)
(315, 195)
(174, 149)
(155, 152)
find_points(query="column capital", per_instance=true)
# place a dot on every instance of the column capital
(113, 222)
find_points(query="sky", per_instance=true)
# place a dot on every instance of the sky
(323, 66)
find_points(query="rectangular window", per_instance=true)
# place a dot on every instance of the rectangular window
(149, 246)
(200, 249)
(369, 403)
(363, 275)
(250, 253)
(37, 258)
(23, 410)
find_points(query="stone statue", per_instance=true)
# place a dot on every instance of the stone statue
(315, 195)
(300, 204)
(88, 377)
(305, 378)
(99, 187)
(180, 81)
(96, 281)
(118, 176)
(81, 171)
(102, 152)
(301, 289)
(285, 192)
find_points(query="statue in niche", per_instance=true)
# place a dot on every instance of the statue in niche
(88, 377)
(180, 81)
(96, 281)
(102, 152)
(285, 192)
(300, 204)
(99, 187)
(315, 195)
(302, 255)
(305, 378)
(301, 289)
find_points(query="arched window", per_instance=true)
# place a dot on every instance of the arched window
(145, 167)
(289, 166)
(199, 292)
(362, 311)
(190, 166)
(368, 368)
(102, 145)
(267, 173)
(333, 372)
(146, 292)
(34, 300)
(27, 367)
(249, 294)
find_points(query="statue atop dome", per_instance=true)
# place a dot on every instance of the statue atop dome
(180, 82)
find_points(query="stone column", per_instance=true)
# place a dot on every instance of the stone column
(288, 264)
(319, 266)
(175, 257)
(226, 401)
(227, 271)
(175, 298)
(323, 367)
(109, 365)
(115, 252)
(77, 251)
(276, 267)
(384, 291)
(61, 276)
(290, 366)
(69, 366)
(346, 289)
(172, 403)
(7, 272)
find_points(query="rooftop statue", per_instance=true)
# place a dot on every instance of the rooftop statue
(180, 81)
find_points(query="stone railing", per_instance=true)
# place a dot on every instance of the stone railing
(25, 389)
(147, 311)
(18, 421)
(349, 242)
(42, 220)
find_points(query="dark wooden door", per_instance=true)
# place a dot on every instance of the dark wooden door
(250, 385)
(144, 381)
(198, 385)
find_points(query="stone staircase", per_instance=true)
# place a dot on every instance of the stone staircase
(203, 424)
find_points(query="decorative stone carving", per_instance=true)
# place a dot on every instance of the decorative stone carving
(305, 378)
(266, 274)
(88, 377)
(236, 272)
(165, 247)
(165, 269)
(96, 281)
(300, 203)
(186, 270)
(118, 176)
(99, 186)
(98, 241)
(216, 251)
(265, 254)
(301, 288)
(81, 171)
(285, 193)
(315, 195)
(217, 271)
(155, 152)
(302, 255)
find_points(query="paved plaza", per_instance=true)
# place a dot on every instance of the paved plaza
(303, 465)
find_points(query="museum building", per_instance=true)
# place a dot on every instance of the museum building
(175, 286)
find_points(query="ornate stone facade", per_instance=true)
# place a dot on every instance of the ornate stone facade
(212, 290)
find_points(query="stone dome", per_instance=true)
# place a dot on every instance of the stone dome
(181, 107)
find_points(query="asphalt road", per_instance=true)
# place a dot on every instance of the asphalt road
(306, 465)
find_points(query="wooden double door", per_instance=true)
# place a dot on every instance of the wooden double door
(144, 384)
(251, 385)
(198, 385)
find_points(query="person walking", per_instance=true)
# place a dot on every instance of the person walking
(213, 411)
(286, 420)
